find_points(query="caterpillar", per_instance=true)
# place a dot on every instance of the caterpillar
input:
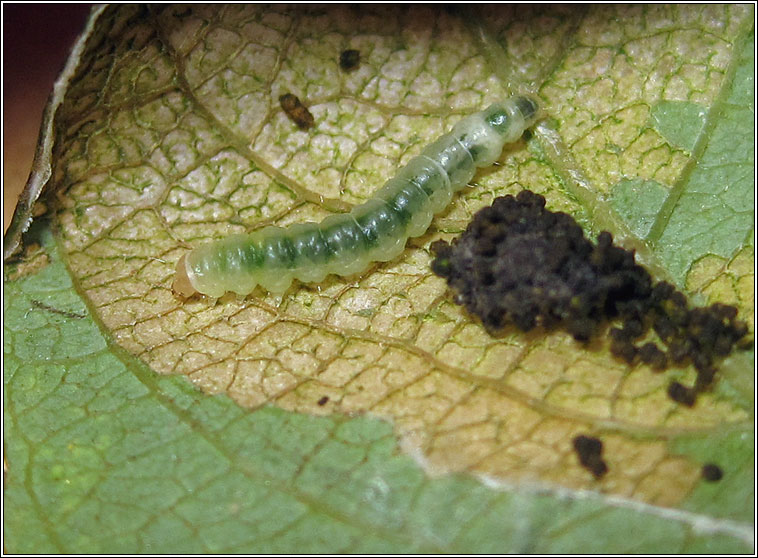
(376, 230)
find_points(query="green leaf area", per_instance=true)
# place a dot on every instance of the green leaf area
(711, 210)
(105, 457)
(371, 413)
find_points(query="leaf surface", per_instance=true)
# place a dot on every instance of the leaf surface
(370, 413)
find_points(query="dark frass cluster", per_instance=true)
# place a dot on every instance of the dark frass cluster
(518, 263)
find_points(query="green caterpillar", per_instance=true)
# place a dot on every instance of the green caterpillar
(377, 230)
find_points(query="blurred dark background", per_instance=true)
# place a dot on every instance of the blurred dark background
(36, 42)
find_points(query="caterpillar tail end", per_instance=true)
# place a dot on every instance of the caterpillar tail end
(182, 284)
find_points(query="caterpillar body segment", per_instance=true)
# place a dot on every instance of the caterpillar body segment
(376, 230)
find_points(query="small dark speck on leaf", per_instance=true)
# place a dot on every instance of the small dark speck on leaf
(682, 394)
(590, 453)
(323, 401)
(712, 472)
(349, 59)
(296, 111)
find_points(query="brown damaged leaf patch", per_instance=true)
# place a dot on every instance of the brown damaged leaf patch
(201, 150)
(30, 261)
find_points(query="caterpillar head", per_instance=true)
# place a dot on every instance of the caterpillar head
(182, 284)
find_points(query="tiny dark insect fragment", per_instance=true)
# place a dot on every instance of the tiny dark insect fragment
(323, 401)
(590, 453)
(712, 472)
(349, 59)
(296, 110)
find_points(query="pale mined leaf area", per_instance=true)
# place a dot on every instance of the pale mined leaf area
(172, 135)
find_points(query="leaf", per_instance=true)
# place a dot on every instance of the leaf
(105, 456)
(712, 213)
(369, 414)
